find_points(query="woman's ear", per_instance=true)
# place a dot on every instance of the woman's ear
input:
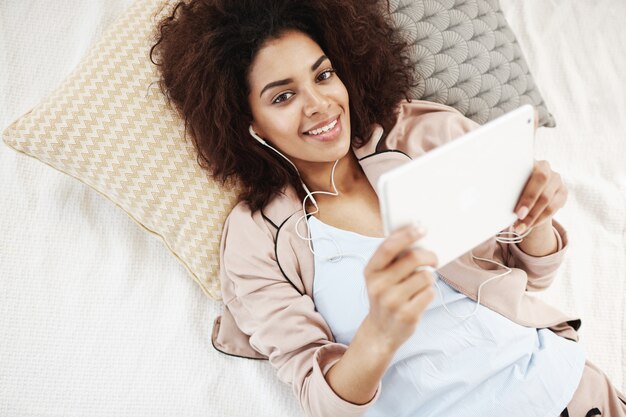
(255, 135)
(256, 129)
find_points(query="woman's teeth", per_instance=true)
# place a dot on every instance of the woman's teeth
(323, 129)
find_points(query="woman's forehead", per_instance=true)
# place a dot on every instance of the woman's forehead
(282, 56)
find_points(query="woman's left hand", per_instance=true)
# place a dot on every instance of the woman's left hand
(543, 195)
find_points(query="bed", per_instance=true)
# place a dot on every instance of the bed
(97, 318)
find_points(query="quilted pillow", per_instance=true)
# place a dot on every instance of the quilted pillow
(109, 126)
(467, 57)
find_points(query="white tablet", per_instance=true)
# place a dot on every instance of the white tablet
(463, 192)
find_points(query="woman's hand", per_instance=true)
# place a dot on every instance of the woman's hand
(398, 296)
(543, 195)
(398, 293)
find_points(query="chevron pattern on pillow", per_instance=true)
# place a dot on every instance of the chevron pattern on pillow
(109, 126)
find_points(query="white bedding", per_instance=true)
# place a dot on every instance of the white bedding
(98, 319)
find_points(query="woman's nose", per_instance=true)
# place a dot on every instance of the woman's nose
(315, 102)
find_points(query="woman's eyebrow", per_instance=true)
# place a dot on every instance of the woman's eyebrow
(289, 80)
(318, 62)
(276, 83)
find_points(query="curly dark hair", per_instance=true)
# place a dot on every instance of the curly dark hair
(204, 49)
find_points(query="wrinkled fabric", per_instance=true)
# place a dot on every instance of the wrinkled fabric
(596, 396)
(482, 365)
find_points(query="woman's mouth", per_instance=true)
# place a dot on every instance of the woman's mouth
(326, 133)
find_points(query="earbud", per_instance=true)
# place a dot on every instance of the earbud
(257, 137)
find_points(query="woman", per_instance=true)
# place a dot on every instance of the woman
(305, 103)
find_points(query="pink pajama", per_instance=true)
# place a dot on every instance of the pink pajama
(595, 396)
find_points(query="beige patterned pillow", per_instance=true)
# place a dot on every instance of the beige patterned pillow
(109, 126)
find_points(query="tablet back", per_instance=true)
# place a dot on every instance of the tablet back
(465, 191)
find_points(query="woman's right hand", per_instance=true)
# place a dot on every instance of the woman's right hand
(398, 292)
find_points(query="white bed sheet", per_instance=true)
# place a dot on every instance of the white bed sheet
(96, 317)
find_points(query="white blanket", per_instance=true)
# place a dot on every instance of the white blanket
(98, 319)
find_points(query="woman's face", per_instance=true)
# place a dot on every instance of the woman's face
(298, 103)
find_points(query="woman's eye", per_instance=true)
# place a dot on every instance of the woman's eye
(323, 76)
(326, 74)
(282, 97)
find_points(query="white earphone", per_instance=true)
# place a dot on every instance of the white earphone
(257, 137)
(264, 143)
(340, 255)
(309, 194)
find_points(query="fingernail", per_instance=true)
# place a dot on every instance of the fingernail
(521, 228)
(522, 212)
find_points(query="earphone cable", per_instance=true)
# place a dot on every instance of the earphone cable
(508, 240)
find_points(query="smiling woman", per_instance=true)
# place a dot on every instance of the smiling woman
(288, 96)
(209, 46)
